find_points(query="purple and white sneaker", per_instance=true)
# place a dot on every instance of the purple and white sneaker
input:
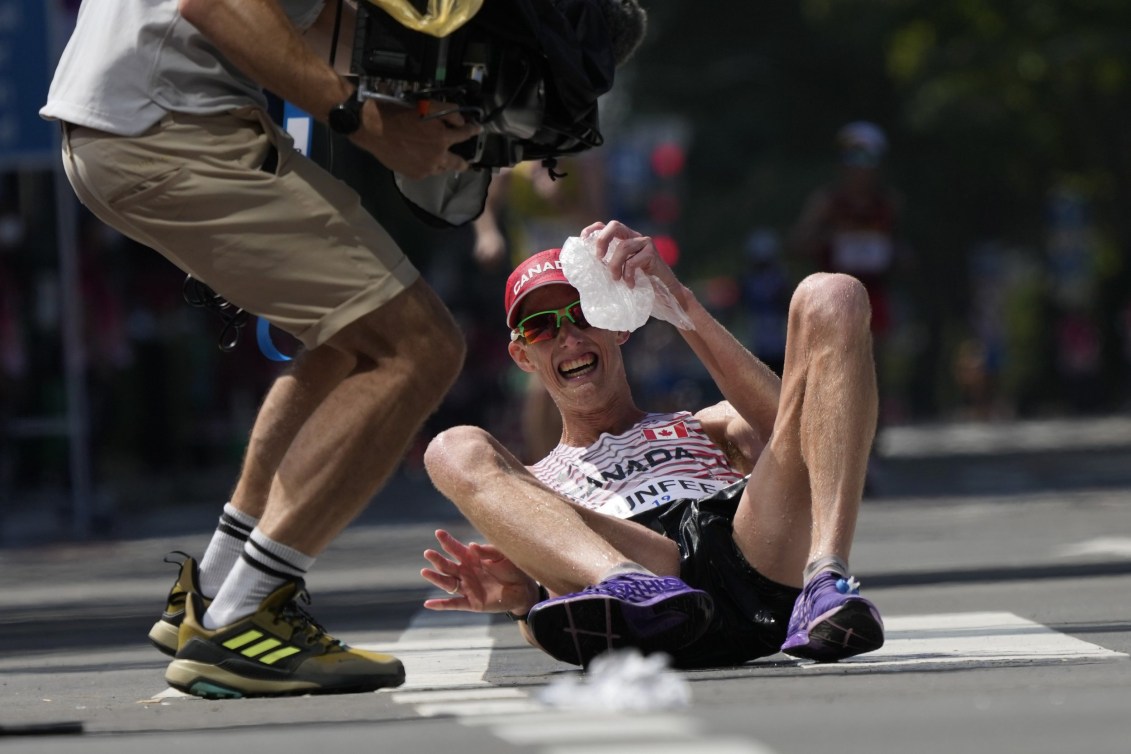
(650, 613)
(831, 621)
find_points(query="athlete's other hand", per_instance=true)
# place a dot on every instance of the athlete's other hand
(478, 577)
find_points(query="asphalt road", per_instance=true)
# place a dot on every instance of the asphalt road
(1008, 631)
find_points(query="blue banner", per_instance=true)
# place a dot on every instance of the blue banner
(26, 63)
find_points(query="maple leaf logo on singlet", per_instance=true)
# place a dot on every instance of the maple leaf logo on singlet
(670, 432)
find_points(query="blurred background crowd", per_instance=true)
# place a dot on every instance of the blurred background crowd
(969, 161)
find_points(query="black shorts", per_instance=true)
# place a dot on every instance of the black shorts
(751, 611)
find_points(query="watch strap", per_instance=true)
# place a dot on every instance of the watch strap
(345, 117)
(543, 595)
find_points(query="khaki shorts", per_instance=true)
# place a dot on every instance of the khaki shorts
(294, 246)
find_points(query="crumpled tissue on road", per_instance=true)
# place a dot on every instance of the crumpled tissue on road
(621, 680)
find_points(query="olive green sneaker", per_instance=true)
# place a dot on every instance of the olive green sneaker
(163, 635)
(278, 651)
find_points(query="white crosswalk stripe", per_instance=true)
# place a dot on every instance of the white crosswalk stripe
(951, 639)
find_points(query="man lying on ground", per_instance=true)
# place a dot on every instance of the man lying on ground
(717, 536)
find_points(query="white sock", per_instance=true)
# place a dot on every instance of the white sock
(224, 550)
(826, 563)
(620, 569)
(264, 566)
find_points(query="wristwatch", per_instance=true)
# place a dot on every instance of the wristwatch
(346, 117)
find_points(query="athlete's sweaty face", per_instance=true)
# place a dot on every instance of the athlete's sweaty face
(576, 356)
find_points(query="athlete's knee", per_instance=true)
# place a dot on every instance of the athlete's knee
(831, 305)
(454, 457)
(455, 445)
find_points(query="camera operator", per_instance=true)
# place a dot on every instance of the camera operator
(167, 139)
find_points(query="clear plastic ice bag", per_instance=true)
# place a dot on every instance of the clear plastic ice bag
(607, 303)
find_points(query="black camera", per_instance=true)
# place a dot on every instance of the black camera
(528, 71)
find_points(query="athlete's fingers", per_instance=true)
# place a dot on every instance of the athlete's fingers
(442, 565)
(589, 230)
(621, 256)
(451, 545)
(486, 552)
(614, 230)
(446, 582)
(449, 582)
(432, 577)
(641, 254)
(436, 578)
(449, 603)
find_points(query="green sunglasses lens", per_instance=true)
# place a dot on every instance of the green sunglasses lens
(545, 325)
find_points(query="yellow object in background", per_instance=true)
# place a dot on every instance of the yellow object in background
(441, 19)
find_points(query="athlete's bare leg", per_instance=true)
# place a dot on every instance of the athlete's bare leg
(561, 545)
(803, 497)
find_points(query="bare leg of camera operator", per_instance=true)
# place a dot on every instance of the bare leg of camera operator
(328, 435)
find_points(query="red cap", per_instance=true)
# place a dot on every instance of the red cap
(542, 269)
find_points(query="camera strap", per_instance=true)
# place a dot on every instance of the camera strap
(234, 319)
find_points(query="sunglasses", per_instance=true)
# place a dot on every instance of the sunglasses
(540, 326)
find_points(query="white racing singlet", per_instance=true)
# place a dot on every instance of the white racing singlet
(664, 457)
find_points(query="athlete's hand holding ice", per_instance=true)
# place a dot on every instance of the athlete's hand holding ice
(690, 533)
(630, 252)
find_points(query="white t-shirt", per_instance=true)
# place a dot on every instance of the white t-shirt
(664, 457)
(129, 62)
